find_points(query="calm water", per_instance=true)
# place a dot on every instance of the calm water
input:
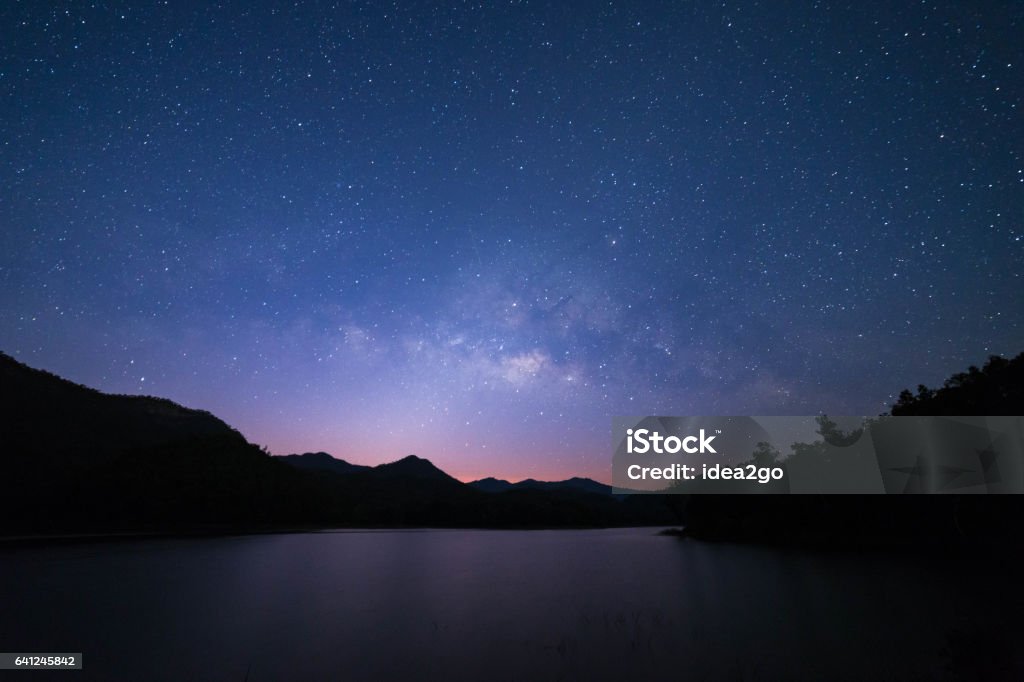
(500, 605)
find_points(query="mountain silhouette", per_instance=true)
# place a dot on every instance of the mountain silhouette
(56, 421)
(322, 461)
(412, 467)
(74, 459)
(497, 485)
(491, 485)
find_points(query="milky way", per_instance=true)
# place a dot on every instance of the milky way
(477, 232)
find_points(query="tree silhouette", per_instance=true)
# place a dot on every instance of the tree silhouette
(765, 455)
(995, 389)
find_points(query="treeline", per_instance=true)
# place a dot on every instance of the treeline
(995, 389)
(850, 521)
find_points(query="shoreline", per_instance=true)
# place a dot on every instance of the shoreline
(37, 540)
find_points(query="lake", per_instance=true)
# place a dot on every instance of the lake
(502, 605)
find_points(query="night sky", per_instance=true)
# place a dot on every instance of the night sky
(475, 232)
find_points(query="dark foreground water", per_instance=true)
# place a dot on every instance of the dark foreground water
(504, 605)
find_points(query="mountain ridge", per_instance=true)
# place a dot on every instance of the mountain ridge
(321, 461)
(94, 423)
(415, 466)
(576, 483)
(76, 459)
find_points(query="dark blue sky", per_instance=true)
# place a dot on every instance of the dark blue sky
(476, 232)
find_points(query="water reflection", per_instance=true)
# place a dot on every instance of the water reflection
(502, 605)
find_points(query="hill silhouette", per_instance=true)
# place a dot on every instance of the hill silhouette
(576, 483)
(321, 461)
(491, 485)
(76, 460)
(412, 467)
(35, 403)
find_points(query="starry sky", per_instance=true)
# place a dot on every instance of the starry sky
(477, 231)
